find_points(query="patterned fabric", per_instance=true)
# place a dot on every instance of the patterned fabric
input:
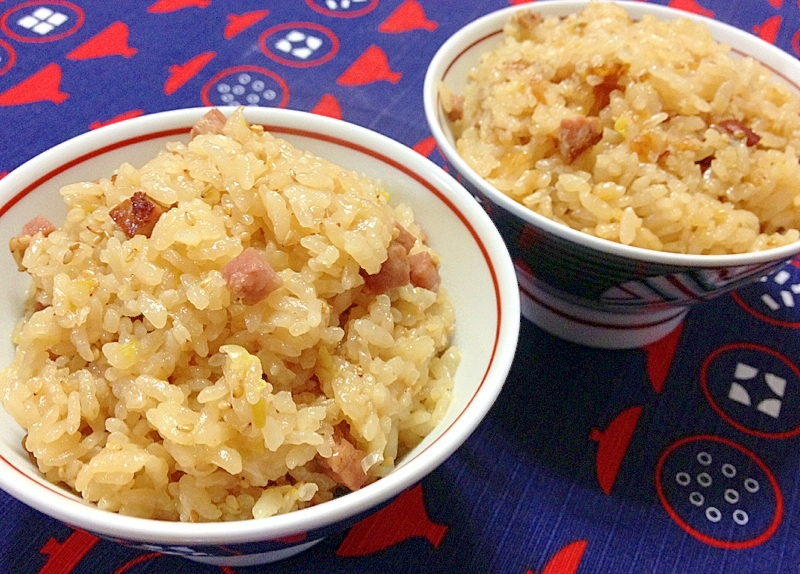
(678, 457)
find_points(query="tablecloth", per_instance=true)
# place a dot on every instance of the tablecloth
(678, 457)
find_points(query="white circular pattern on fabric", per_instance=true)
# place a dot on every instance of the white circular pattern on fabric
(704, 458)
(713, 514)
(696, 498)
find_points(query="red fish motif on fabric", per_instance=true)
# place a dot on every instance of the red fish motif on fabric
(44, 85)
(691, 6)
(328, 106)
(567, 560)
(410, 15)
(612, 444)
(776, 4)
(64, 556)
(164, 6)
(425, 147)
(404, 518)
(118, 118)
(518, 2)
(371, 66)
(179, 74)
(659, 357)
(113, 41)
(768, 29)
(238, 23)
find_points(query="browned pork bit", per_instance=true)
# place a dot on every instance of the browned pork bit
(576, 135)
(423, 271)
(20, 243)
(344, 465)
(250, 277)
(739, 131)
(400, 268)
(211, 123)
(456, 111)
(404, 237)
(136, 215)
(528, 19)
(394, 272)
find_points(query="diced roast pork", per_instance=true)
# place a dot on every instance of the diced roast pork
(738, 130)
(456, 111)
(250, 277)
(423, 272)
(395, 271)
(344, 465)
(211, 123)
(38, 224)
(576, 135)
(404, 237)
(400, 268)
(137, 215)
(19, 243)
(527, 19)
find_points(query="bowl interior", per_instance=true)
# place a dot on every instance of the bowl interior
(476, 271)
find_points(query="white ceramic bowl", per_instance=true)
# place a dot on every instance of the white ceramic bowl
(580, 287)
(476, 270)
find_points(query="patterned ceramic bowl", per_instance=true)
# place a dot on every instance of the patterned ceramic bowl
(577, 286)
(476, 270)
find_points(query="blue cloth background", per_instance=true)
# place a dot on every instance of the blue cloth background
(577, 464)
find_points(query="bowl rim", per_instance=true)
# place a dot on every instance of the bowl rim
(60, 505)
(781, 64)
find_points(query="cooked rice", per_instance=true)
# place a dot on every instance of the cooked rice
(670, 171)
(148, 389)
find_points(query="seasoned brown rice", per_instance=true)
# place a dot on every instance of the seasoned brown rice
(648, 133)
(147, 387)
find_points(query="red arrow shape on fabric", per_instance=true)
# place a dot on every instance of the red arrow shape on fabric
(113, 41)
(567, 560)
(691, 6)
(299, 537)
(768, 29)
(124, 116)
(329, 106)
(163, 6)
(44, 85)
(238, 23)
(179, 74)
(404, 518)
(64, 556)
(613, 444)
(371, 66)
(659, 357)
(410, 15)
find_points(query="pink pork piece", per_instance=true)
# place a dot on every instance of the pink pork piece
(250, 277)
(395, 271)
(423, 271)
(211, 123)
(344, 465)
(38, 224)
